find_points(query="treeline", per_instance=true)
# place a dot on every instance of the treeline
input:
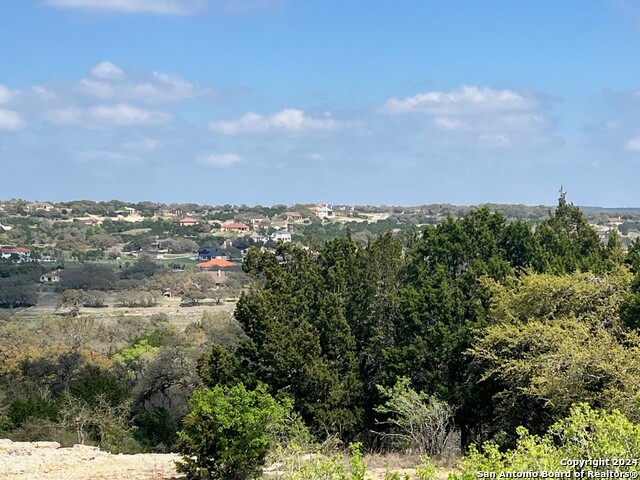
(507, 325)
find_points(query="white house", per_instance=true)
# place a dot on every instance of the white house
(323, 212)
(51, 277)
(281, 236)
(22, 254)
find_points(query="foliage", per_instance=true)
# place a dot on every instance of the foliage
(226, 433)
(554, 341)
(585, 434)
(420, 423)
(89, 277)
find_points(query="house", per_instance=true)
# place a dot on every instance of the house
(615, 221)
(21, 254)
(210, 253)
(216, 268)
(322, 212)
(40, 207)
(281, 236)
(257, 219)
(188, 222)
(234, 227)
(5, 228)
(51, 277)
(292, 217)
(256, 237)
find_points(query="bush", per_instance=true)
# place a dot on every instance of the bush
(418, 422)
(585, 434)
(228, 432)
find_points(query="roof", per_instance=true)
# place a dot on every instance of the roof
(54, 273)
(188, 220)
(216, 263)
(292, 214)
(234, 225)
(283, 232)
(15, 250)
(213, 251)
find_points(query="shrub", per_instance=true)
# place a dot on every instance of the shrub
(227, 432)
(585, 434)
(419, 422)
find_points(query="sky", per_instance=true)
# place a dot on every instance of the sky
(335, 101)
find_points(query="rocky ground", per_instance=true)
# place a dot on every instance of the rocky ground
(47, 461)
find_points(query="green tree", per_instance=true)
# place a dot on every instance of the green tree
(567, 242)
(228, 432)
(551, 342)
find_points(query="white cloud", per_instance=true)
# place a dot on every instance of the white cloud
(220, 161)
(475, 117)
(5, 94)
(106, 115)
(146, 145)
(633, 145)
(99, 156)
(107, 70)
(447, 123)
(10, 120)
(162, 7)
(108, 81)
(461, 101)
(316, 156)
(288, 120)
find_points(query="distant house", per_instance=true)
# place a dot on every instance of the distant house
(210, 253)
(281, 236)
(216, 268)
(256, 237)
(131, 211)
(215, 264)
(188, 222)
(40, 207)
(22, 254)
(5, 228)
(256, 219)
(51, 277)
(291, 217)
(615, 221)
(322, 212)
(234, 227)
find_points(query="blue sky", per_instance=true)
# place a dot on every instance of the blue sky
(351, 101)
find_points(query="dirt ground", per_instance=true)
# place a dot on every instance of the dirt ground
(46, 461)
(177, 314)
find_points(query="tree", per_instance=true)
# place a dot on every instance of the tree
(89, 277)
(567, 242)
(298, 338)
(71, 299)
(193, 297)
(551, 342)
(228, 431)
(420, 423)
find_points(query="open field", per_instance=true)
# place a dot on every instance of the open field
(177, 314)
